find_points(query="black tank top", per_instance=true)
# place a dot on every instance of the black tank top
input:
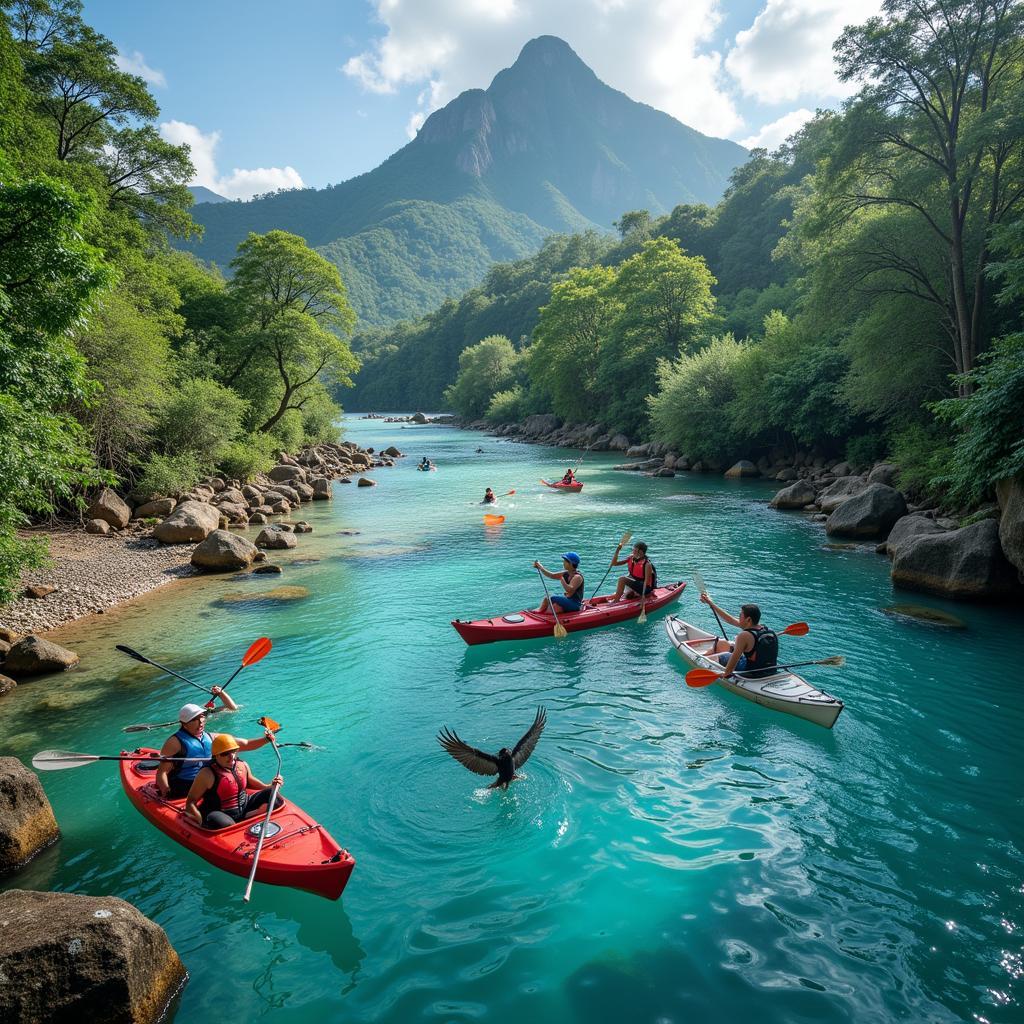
(764, 655)
(578, 592)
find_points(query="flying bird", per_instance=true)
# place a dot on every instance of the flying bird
(505, 763)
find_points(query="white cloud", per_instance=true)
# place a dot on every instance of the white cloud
(656, 51)
(771, 136)
(135, 64)
(787, 52)
(239, 184)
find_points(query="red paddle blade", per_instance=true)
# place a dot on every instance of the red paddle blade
(796, 629)
(268, 723)
(259, 650)
(701, 677)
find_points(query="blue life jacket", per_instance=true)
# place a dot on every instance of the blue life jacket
(186, 771)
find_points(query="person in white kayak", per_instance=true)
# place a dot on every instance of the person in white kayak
(755, 651)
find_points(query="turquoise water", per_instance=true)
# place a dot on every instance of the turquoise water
(673, 854)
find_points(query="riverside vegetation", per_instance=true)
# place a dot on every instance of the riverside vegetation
(122, 361)
(857, 294)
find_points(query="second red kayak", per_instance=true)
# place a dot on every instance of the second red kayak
(297, 851)
(573, 488)
(529, 625)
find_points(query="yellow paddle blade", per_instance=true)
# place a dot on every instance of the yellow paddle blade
(626, 538)
(560, 631)
(642, 617)
(492, 520)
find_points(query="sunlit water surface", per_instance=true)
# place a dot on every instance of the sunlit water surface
(672, 855)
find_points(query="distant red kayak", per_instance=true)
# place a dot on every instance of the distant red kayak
(528, 625)
(562, 487)
(297, 852)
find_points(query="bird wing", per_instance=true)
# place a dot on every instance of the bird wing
(475, 760)
(524, 748)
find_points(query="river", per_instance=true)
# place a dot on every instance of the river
(673, 854)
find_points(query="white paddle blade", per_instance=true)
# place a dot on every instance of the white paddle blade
(58, 760)
(699, 580)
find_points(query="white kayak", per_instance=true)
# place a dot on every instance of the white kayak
(782, 691)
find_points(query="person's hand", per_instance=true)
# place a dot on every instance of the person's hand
(536, 565)
(277, 781)
(216, 690)
(704, 597)
(164, 789)
(269, 733)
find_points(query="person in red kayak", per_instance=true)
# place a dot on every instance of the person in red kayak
(174, 779)
(755, 651)
(572, 583)
(225, 791)
(641, 576)
(569, 478)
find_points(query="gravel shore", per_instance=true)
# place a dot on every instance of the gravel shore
(92, 573)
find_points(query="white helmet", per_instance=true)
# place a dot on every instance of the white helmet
(190, 711)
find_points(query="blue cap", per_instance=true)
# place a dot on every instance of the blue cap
(571, 556)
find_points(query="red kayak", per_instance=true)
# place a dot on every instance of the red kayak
(297, 852)
(574, 487)
(528, 625)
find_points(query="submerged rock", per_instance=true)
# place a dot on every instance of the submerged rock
(27, 824)
(68, 957)
(924, 614)
(277, 595)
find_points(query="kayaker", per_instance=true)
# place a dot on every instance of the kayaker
(489, 498)
(755, 651)
(174, 780)
(569, 477)
(641, 576)
(572, 583)
(225, 791)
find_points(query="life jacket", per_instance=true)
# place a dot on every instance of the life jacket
(186, 771)
(578, 592)
(228, 789)
(764, 655)
(637, 568)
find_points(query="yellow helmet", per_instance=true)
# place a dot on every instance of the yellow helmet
(223, 742)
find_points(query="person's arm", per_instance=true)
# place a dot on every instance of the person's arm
(202, 783)
(228, 703)
(619, 561)
(547, 572)
(648, 575)
(739, 648)
(253, 783)
(254, 744)
(731, 619)
(171, 748)
(571, 585)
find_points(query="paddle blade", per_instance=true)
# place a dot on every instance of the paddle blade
(836, 661)
(626, 538)
(796, 629)
(268, 723)
(699, 580)
(507, 493)
(147, 727)
(642, 617)
(491, 520)
(257, 652)
(701, 677)
(560, 631)
(131, 653)
(58, 760)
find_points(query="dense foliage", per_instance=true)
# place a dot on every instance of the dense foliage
(857, 292)
(122, 360)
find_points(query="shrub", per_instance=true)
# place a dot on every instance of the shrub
(507, 406)
(199, 419)
(17, 554)
(248, 455)
(866, 449)
(165, 475)
(320, 419)
(288, 431)
(921, 453)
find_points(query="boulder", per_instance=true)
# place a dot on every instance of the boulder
(619, 443)
(884, 473)
(785, 474)
(110, 508)
(6, 685)
(286, 473)
(217, 483)
(304, 491)
(27, 824)
(836, 493)
(34, 656)
(39, 590)
(223, 550)
(155, 509)
(8, 634)
(276, 539)
(682, 462)
(267, 569)
(540, 424)
(966, 565)
(322, 490)
(742, 468)
(86, 958)
(393, 452)
(252, 494)
(1010, 494)
(907, 528)
(664, 471)
(231, 495)
(289, 493)
(98, 526)
(233, 511)
(258, 519)
(638, 451)
(365, 481)
(303, 527)
(796, 495)
(418, 417)
(190, 522)
(844, 469)
(281, 508)
(869, 515)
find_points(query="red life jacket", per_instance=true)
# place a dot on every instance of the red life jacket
(637, 568)
(226, 792)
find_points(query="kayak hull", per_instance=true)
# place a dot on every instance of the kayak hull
(299, 853)
(784, 691)
(531, 625)
(571, 488)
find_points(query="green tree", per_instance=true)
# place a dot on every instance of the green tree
(485, 368)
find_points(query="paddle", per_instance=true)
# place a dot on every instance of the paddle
(642, 617)
(148, 661)
(706, 676)
(58, 760)
(258, 650)
(622, 543)
(271, 726)
(704, 589)
(560, 631)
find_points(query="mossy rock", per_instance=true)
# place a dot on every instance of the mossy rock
(279, 595)
(922, 613)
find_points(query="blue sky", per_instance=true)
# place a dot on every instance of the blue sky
(312, 92)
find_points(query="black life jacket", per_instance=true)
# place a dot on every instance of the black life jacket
(578, 592)
(228, 790)
(764, 655)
